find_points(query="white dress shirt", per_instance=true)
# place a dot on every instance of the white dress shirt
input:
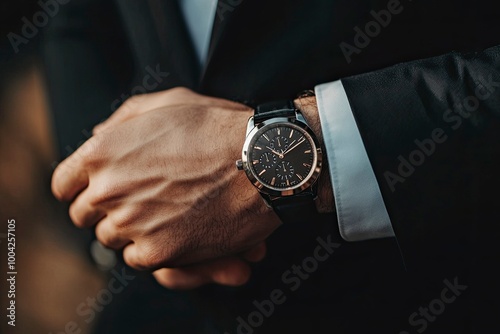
(361, 211)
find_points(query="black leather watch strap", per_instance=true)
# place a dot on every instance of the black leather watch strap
(274, 109)
(295, 209)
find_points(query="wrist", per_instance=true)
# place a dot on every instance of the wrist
(309, 108)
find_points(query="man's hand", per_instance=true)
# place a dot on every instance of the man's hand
(158, 180)
(230, 271)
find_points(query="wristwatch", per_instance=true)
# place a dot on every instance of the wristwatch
(282, 158)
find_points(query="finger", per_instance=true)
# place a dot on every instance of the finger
(109, 235)
(228, 271)
(132, 257)
(83, 213)
(69, 179)
(256, 254)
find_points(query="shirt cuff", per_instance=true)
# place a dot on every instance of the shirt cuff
(361, 211)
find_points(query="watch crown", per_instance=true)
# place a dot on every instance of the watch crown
(239, 164)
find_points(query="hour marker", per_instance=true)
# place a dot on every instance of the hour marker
(273, 181)
(264, 135)
(308, 151)
(258, 148)
(255, 162)
(263, 171)
(287, 182)
(291, 133)
(279, 131)
(306, 165)
(299, 176)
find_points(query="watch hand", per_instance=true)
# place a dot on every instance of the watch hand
(293, 147)
(281, 155)
(290, 145)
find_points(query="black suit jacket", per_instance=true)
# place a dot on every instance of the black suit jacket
(430, 74)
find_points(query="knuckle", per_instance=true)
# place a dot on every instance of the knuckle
(178, 94)
(98, 156)
(75, 218)
(91, 151)
(180, 90)
(107, 235)
(134, 263)
(59, 174)
(131, 103)
(102, 193)
(151, 257)
(87, 149)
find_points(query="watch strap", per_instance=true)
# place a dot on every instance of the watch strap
(290, 209)
(274, 109)
(295, 209)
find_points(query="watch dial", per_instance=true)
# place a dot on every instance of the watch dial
(282, 157)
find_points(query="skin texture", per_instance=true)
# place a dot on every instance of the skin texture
(158, 180)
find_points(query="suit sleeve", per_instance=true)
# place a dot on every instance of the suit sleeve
(431, 129)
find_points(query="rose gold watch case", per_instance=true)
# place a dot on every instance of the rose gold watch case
(297, 123)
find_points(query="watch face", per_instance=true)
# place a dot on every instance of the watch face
(282, 156)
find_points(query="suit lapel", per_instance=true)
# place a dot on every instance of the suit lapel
(158, 37)
(175, 43)
(159, 40)
(223, 18)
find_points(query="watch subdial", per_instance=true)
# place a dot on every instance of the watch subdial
(267, 160)
(279, 143)
(285, 172)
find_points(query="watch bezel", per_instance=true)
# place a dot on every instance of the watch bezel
(262, 127)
